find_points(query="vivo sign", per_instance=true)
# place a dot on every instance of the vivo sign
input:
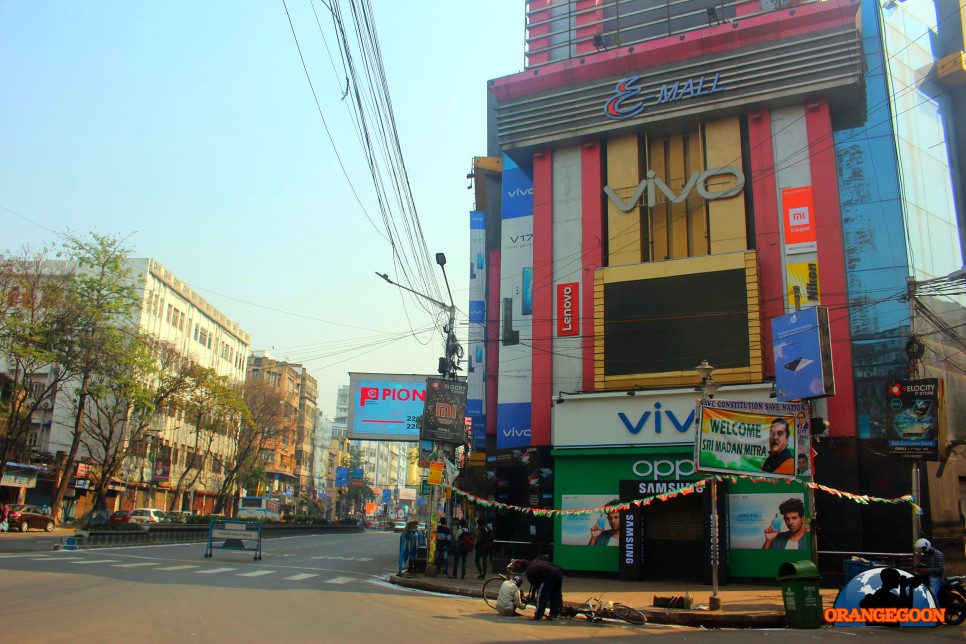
(698, 181)
(664, 417)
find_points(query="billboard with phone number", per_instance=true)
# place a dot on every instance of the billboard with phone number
(385, 406)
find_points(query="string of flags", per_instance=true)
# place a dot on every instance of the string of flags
(691, 488)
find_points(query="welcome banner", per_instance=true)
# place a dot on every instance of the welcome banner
(747, 437)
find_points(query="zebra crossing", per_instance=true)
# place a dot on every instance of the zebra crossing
(161, 567)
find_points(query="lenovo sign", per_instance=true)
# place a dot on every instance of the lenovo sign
(568, 302)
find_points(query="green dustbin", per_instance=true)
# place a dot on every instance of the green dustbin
(803, 602)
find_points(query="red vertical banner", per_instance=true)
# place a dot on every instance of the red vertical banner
(798, 220)
(568, 309)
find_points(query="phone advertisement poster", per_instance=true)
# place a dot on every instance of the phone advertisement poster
(773, 521)
(591, 529)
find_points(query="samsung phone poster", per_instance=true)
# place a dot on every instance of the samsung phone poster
(594, 528)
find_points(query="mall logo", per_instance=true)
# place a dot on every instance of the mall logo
(627, 101)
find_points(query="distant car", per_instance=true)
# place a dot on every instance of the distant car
(180, 516)
(151, 516)
(121, 516)
(23, 517)
(399, 526)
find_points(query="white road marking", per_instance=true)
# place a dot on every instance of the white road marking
(212, 571)
(136, 565)
(256, 573)
(340, 580)
(176, 568)
(300, 577)
(93, 561)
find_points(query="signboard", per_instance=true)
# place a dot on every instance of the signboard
(568, 309)
(444, 416)
(161, 471)
(803, 355)
(805, 277)
(385, 406)
(342, 476)
(19, 479)
(435, 473)
(751, 438)
(662, 417)
(475, 334)
(387, 496)
(915, 419)
(798, 220)
(424, 488)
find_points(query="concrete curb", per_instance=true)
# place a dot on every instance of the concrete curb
(677, 617)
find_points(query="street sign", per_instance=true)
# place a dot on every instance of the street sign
(435, 473)
(424, 488)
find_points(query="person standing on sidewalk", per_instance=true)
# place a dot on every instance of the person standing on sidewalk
(483, 548)
(443, 538)
(462, 546)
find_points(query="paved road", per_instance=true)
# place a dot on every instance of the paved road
(317, 588)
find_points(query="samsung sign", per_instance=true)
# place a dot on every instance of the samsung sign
(664, 417)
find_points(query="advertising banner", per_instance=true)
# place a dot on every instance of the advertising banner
(435, 473)
(805, 277)
(751, 438)
(516, 308)
(592, 529)
(161, 472)
(444, 416)
(385, 406)
(798, 220)
(773, 521)
(476, 332)
(916, 427)
(803, 355)
(568, 309)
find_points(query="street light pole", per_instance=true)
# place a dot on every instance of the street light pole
(709, 388)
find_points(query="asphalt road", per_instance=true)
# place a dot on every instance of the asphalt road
(318, 588)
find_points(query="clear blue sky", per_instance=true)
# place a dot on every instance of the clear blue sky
(189, 128)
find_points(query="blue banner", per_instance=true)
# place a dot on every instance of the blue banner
(342, 477)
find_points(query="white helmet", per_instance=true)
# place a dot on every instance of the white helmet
(923, 545)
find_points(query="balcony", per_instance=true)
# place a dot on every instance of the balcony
(562, 30)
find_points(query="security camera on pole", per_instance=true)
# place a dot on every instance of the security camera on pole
(445, 406)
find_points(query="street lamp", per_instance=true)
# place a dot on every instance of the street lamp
(709, 388)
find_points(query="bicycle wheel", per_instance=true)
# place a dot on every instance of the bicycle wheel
(491, 588)
(628, 614)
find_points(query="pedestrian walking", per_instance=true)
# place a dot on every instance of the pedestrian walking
(483, 547)
(462, 547)
(443, 538)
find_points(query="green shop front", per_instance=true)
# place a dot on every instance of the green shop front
(638, 451)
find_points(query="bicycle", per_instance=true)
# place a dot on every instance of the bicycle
(595, 610)
(491, 588)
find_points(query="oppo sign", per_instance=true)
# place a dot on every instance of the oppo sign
(664, 469)
(698, 181)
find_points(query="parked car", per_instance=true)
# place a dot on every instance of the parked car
(23, 517)
(121, 516)
(149, 515)
(400, 526)
(180, 516)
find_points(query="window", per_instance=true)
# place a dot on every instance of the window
(181, 322)
(203, 337)
(196, 330)
(167, 315)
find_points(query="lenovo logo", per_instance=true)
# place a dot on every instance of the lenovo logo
(568, 299)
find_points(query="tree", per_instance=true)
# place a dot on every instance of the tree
(35, 312)
(264, 418)
(359, 492)
(104, 300)
(125, 402)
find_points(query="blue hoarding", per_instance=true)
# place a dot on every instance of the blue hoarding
(342, 476)
(385, 406)
(803, 355)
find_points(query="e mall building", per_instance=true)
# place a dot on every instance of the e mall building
(645, 207)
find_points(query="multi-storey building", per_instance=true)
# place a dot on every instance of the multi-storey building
(663, 181)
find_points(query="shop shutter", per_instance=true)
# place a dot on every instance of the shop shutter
(674, 545)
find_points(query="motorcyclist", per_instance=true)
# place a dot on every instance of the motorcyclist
(930, 561)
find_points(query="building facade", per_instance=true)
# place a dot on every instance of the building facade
(661, 184)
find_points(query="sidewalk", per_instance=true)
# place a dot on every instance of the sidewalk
(742, 606)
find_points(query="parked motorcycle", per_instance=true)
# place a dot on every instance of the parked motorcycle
(952, 597)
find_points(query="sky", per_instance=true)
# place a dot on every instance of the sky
(189, 129)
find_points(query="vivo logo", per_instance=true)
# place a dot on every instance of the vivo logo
(521, 239)
(516, 432)
(652, 184)
(658, 417)
(520, 192)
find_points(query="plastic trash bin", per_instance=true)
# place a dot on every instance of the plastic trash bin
(803, 601)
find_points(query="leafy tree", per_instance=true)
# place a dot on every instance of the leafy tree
(359, 493)
(125, 402)
(36, 309)
(104, 300)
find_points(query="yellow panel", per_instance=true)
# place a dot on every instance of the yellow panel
(754, 372)
(727, 216)
(623, 177)
(697, 213)
(659, 214)
(675, 178)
